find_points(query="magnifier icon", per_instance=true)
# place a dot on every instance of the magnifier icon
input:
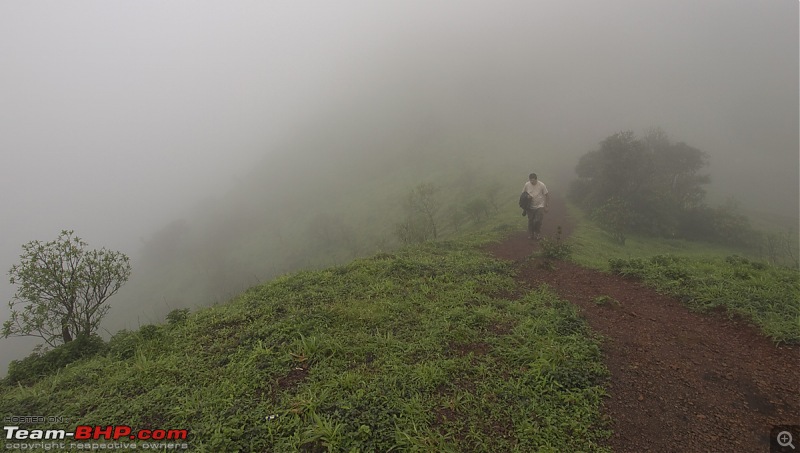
(785, 439)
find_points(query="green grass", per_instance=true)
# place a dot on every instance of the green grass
(767, 295)
(704, 276)
(593, 247)
(420, 349)
(416, 350)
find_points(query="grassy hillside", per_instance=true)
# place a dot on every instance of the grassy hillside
(427, 348)
(431, 348)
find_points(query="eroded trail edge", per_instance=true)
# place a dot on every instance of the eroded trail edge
(680, 380)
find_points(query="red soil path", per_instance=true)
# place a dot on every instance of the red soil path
(680, 381)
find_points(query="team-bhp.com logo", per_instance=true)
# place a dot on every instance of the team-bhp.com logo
(86, 432)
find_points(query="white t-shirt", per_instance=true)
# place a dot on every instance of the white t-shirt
(537, 192)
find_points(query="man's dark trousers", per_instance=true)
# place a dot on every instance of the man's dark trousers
(535, 216)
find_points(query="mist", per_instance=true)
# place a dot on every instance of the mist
(122, 120)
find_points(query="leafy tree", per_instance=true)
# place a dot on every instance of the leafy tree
(676, 168)
(63, 288)
(620, 168)
(656, 179)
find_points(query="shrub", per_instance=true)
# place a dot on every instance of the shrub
(177, 316)
(122, 345)
(38, 365)
(150, 332)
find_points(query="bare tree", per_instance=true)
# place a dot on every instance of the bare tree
(424, 201)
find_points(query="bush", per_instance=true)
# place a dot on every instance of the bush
(177, 316)
(150, 332)
(123, 344)
(633, 267)
(38, 365)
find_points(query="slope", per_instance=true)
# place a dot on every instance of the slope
(432, 348)
(680, 380)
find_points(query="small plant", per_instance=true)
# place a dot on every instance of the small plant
(323, 432)
(308, 349)
(555, 249)
(140, 361)
(606, 300)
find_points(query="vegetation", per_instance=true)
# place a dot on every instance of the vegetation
(594, 246)
(477, 209)
(40, 364)
(263, 230)
(780, 248)
(704, 276)
(421, 208)
(420, 349)
(606, 300)
(63, 289)
(765, 294)
(614, 216)
(555, 249)
(415, 350)
(653, 186)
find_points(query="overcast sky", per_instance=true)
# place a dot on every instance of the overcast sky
(117, 116)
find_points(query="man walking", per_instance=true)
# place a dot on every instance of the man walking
(538, 204)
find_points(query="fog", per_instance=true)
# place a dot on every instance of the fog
(118, 119)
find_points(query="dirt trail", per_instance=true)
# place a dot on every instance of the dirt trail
(680, 381)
